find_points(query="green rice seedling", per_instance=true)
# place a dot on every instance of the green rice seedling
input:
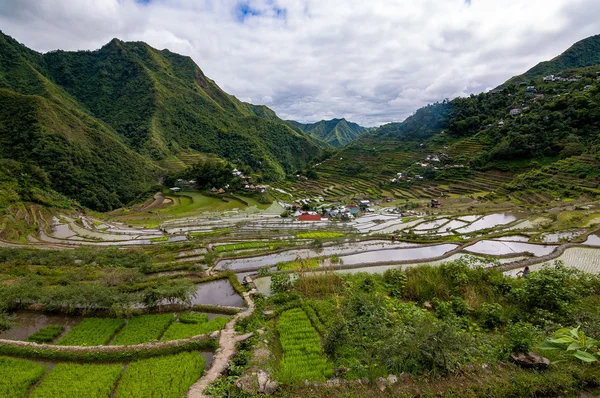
(319, 235)
(191, 317)
(161, 377)
(302, 357)
(46, 334)
(143, 329)
(68, 380)
(16, 375)
(180, 330)
(92, 331)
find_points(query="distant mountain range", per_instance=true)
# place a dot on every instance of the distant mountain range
(103, 125)
(335, 132)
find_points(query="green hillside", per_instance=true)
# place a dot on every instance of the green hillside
(105, 124)
(548, 147)
(584, 53)
(335, 132)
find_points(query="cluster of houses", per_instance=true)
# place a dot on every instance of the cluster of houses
(341, 212)
(245, 181)
(552, 78)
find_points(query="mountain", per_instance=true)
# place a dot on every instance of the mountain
(532, 144)
(335, 132)
(584, 53)
(105, 124)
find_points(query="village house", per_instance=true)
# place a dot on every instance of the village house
(515, 112)
(530, 90)
(236, 173)
(309, 217)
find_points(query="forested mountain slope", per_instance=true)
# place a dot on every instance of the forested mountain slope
(101, 123)
(533, 140)
(335, 132)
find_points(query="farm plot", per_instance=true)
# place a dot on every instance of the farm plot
(163, 377)
(189, 325)
(92, 331)
(585, 259)
(302, 357)
(245, 245)
(319, 235)
(143, 329)
(16, 375)
(78, 380)
(46, 334)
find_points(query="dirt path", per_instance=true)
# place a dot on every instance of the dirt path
(227, 341)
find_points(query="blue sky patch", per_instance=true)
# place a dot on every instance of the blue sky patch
(244, 10)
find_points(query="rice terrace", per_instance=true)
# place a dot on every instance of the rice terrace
(161, 238)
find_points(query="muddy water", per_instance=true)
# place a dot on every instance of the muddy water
(565, 236)
(28, 323)
(593, 240)
(497, 248)
(490, 221)
(218, 292)
(208, 356)
(291, 255)
(431, 224)
(417, 253)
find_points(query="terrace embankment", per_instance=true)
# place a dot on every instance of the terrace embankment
(227, 342)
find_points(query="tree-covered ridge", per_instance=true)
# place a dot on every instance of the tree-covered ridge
(335, 132)
(98, 122)
(584, 53)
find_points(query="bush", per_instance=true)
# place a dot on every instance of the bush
(491, 315)
(395, 281)
(521, 337)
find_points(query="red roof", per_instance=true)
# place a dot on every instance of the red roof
(309, 217)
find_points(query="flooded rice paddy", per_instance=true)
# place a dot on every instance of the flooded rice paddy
(501, 248)
(219, 292)
(28, 323)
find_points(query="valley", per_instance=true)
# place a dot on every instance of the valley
(161, 238)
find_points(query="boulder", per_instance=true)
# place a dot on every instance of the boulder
(268, 313)
(381, 383)
(392, 379)
(263, 379)
(271, 387)
(333, 382)
(530, 360)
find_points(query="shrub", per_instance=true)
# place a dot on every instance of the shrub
(395, 281)
(491, 315)
(521, 337)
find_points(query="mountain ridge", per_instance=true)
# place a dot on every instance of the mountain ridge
(335, 132)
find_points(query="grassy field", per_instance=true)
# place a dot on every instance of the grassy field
(92, 331)
(180, 330)
(16, 375)
(143, 329)
(162, 377)
(78, 380)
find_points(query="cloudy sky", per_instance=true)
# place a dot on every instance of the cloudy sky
(370, 61)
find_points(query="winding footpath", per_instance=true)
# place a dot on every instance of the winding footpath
(227, 342)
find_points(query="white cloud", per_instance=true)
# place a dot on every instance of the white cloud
(369, 61)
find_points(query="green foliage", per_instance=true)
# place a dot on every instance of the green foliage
(491, 315)
(280, 283)
(192, 318)
(76, 380)
(521, 337)
(181, 330)
(302, 358)
(395, 280)
(163, 377)
(550, 292)
(46, 334)
(143, 329)
(16, 375)
(575, 343)
(92, 331)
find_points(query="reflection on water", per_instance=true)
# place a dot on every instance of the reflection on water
(417, 253)
(30, 322)
(498, 248)
(593, 240)
(218, 292)
(490, 221)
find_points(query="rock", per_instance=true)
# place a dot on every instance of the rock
(261, 332)
(245, 383)
(247, 280)
(271, 387)
(215, 335)
(340, 371)
(428, 305)
(405, 377)
(530, 360)
(333, 382)
(263, 379)
(381, 383)
(392, 379)
(268, 313)
(365, 380)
